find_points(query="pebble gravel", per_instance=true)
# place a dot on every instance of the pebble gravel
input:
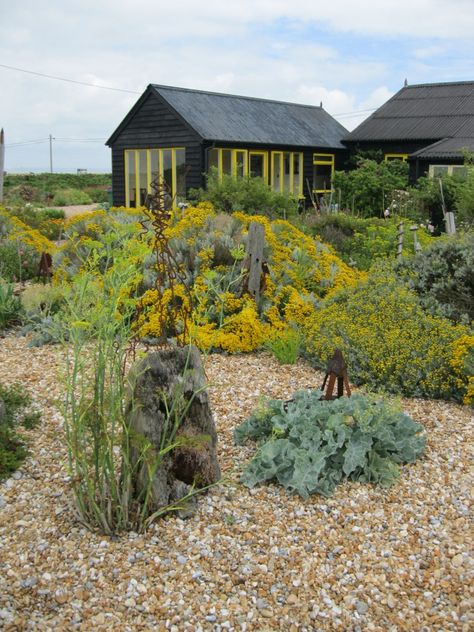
(365, 559)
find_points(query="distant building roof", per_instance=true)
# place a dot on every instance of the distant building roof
(431, 112)
(230, 118)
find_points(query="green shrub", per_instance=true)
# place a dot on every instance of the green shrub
(369, 189)
(443, 277)
(360, 242)
(13, 450)
(10, 305)
(18, 261)
(70, 197)
(309, 445)
(250, 195)
(388, 340)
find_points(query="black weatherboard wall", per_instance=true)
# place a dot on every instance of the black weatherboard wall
(152, 123)
(199, 121)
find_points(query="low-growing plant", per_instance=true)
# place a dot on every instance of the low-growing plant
(68, 197)
(286, 345)
(16, 413)
(309, 445)
(443, 277)
(10, 305)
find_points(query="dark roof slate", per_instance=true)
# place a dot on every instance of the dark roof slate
(231, 118)
(446, 148)
(421, 112)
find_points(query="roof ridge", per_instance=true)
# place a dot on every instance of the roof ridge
(440, 83)
(236, 96)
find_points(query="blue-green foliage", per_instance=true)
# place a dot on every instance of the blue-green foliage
(309, 445)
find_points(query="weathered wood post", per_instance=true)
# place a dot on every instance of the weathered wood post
(416, 243)
(2, 163)
(400, 240)
(254, 259)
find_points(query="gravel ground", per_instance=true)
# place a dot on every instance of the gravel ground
(366, 559)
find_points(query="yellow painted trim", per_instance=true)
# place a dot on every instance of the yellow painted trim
(148, 170)
(324, 161)
(258, 152)
(403, 157)
(301, 165)
(127, 186)
(292, 171)
(173, 173)
(137, 178)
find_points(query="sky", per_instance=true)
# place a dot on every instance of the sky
(351, 55)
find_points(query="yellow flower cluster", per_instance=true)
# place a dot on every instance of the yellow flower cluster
(223, 317)
(21, 232)
(462, 352)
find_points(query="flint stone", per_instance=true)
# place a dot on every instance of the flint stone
(173, 379)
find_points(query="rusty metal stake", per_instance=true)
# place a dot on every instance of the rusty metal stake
(336, 370)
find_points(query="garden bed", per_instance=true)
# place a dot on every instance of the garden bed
(367, 558)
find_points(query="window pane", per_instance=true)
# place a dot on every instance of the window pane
(213, 159)
(142, 168)
(322, 177)
(439, 170)
(167, 168)
(240, 163)
(286, 172)
(227, 161)
(297, 169)
(256, 165)
(154, 165)
(130, 156)
(323, 158)
(459, 170)
(180, 173)
(276, 175)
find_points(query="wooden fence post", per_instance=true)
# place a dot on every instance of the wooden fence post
(255, 245)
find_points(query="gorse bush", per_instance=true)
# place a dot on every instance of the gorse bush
(443, 277)
(309, 445)
(388, 340)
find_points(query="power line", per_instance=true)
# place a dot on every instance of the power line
(81, 83)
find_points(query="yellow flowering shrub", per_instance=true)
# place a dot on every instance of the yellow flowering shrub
(462, 363)
(389, 342)
(209, 249)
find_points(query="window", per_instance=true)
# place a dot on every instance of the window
(323, 169)
(435, 171)
(287, 172)
(258, 167)
(143, 166)
(389, 157)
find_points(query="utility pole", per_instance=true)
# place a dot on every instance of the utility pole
(50, 153)
(2, 163)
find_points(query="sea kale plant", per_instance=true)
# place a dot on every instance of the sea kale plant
(309, 445)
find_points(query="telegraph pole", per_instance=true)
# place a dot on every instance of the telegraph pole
(50, 153)
(2, 163)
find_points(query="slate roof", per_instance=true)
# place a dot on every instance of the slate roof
(429, 112)
(231, 118)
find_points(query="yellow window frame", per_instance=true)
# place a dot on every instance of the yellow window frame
(135, 153)
(389, 157)
(324, 159)
(294, 155)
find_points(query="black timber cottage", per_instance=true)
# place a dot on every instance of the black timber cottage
(179, 134)
(429, 125)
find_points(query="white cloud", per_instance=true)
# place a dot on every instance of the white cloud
(295, 51)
